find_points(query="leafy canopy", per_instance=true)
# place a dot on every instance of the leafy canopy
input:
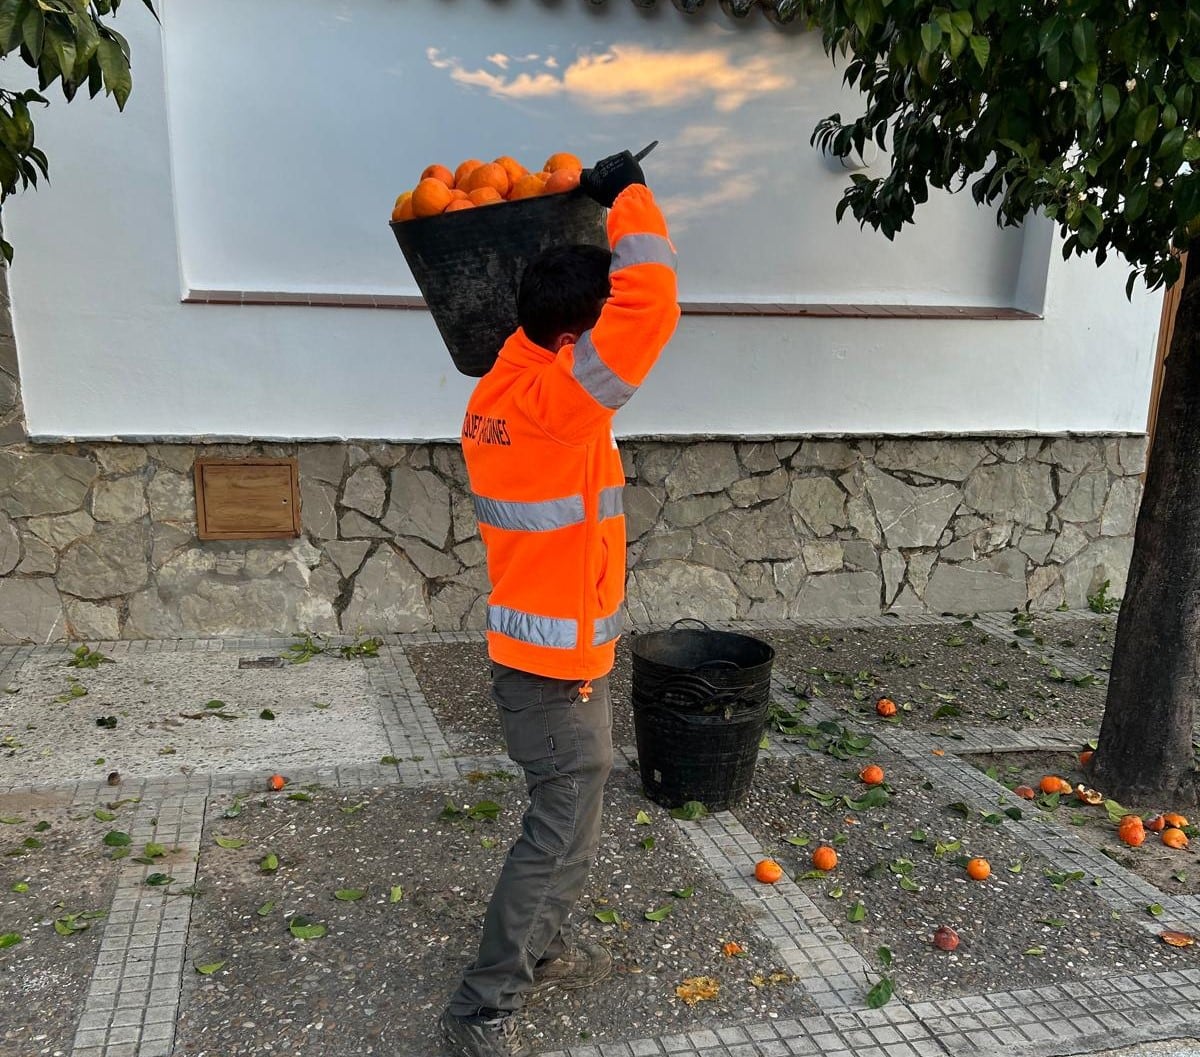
(65, 41)
(1086, 110)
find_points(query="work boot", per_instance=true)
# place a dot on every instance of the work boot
(483, 1036)
(585, 965)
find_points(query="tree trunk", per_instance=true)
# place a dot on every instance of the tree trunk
(1145, 754)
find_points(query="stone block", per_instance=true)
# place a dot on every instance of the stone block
(994, 583)
(32, 483)
(321, 462)
(1069, 542)
(89, 620)
(471, 553)
(757, 534)
(821, 504)
(959, 551)
(10, 545)
(120, 500)
(448, 462)
(10, 393)
(907, 602)
(462, 511)
(920, 565)
(947, 460)
(120, 458)
(822, 556)
(1132, 453)
(1047, 590)
(366, 491)
(672, 589)
(893, 575)
(30, 611)
(789, 578)
(703, 469)
(389, 592)
(685, 513)
(1036, 546)
(1104, 559)
(172, 497)
(111, 561)
(167, 540)
(909, 515)
(1121, 507)
(666, 545)
(434, 564)
(707, 551)
(837, 595)
(354, 526)
(861, 518)
(656, 461)
(824, 455)
(61, 530)
(317, 513)
(757, 581)
(1085, 501)
(642, 508)
(1074, 454)
(758, 456)
(347, 555)
(860, 555)
(1020, 492)
(177, 457)
(39, 558)
(785, 449)
(450, 605)
(419, 506)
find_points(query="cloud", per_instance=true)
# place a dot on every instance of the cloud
(628, 77)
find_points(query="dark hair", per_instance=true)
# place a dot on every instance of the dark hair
(563, 290)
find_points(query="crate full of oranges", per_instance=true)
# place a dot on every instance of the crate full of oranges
(477, 183)
(468, 267)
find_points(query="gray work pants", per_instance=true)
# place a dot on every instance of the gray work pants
(565, 746)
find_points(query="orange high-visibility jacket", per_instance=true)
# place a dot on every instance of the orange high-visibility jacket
(545, 473)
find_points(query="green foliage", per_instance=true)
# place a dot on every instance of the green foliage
(1100, 602)
(1084, 110)
(66, 41)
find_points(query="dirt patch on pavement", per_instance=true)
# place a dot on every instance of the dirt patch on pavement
(379, 978)
(53, 867)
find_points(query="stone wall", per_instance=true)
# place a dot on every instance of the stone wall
(97, 541)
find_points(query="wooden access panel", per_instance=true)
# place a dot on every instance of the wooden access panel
(242, 499)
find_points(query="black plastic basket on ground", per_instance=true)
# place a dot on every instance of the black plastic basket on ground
(700, 703)
(469, 263)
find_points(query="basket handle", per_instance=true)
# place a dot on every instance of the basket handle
(694, 620)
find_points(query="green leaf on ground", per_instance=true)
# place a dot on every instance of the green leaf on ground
(487, 842)
(388, 761)
(114, 838)
(270, 863)
(349, 895)
(266, 908)
(229, 842)
(607, 917)
(648, 844)
(684, 893)
(690, 811)
(657, 915)
(642, 819)
(880, 994)
(266, 713)
(1016, 867)
(856, 913)
(41, 827)
(9, 939)
(918, 836)
(1155, 910)
(32, 843)
(959, 808)
(1056, 923)
(214, 704)
(799, 840)
(354, 808)
(301, 796)
(396, 894)
(20, 886)
(303, 929)
(153, 851)
(940, 849)
(1037, 952)
(885, 956)
(156, 880)
(10, 820)
(484, 811)
(836, 893)
(208, 968)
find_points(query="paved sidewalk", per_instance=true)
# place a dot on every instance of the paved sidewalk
(183, 931)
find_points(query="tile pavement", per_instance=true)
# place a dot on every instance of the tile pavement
(134, 994)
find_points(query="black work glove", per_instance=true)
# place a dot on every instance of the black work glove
(610, 176)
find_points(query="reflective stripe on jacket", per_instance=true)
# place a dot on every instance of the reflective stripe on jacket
(545, 472)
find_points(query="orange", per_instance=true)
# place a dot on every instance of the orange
(465, 170)
(485, 196)
(276, 782)
(885, 706)
(528, 186)
(1085, 757)
(732, 949)
(438, 172)
(1156, 824)
(824, 858)
(1025, 792)
(768, 871)
(1131, 831)
(562, 180)
(1174, 838)
(562, 160)
(458, 195)
(1053, 784)
(872, 775)
(489, 175)
(1173, 818)
(1088, 796)
(543, 176)
(513, 167)
(979, 869)
(460, 204)
(403, 208)
(430, 197)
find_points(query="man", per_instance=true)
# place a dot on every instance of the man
(547, 482)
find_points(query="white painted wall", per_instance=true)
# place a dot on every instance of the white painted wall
(268, 154)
